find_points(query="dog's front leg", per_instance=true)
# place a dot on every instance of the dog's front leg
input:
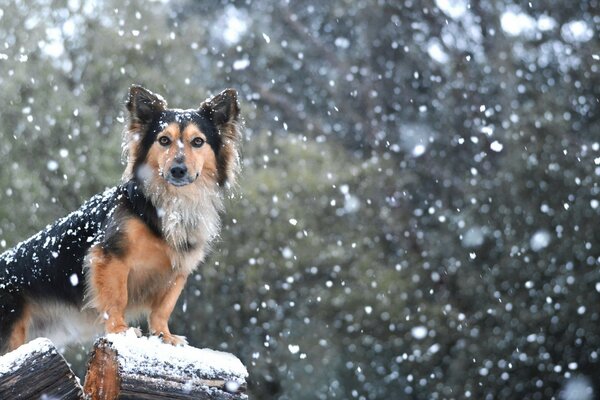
(162, 307)
(109, 280)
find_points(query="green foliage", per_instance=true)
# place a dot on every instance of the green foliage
(295, 273)
(415, 217)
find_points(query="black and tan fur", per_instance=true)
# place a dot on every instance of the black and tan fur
(128, 251)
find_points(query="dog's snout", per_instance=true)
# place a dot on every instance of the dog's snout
(179, 175)
(178, 171)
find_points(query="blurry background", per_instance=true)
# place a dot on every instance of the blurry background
(419, 207)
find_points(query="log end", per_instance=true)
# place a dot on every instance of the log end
(102, 378)
(37, 370)
(127, 366)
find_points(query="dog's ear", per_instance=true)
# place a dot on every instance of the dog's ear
(224, 111)
(222, 108)
(142, 105)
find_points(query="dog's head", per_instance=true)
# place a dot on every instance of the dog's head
(182, 149)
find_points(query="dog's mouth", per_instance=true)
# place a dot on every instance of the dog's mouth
(183, 181)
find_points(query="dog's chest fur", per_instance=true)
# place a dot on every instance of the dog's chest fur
(155, 261)
(189, 224)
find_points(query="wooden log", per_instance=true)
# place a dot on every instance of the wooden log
(128, 367)
(37, 370)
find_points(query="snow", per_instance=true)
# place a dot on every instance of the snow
(577, 32)
(411, 173)
(578, 388)
(436, 51)
(515, 22)
(474, 237)
(496, 146)
(235, 24)
(453, 8)
(52, 165)
(540, 240)
(287, 253)
(13, 360)
(419, 332)
(546, 23)
(419, 150)
(241, 64)
(232, 386)
(342, 42)
(414, 138)
(159, 359)
(94, 205)
(294, 349)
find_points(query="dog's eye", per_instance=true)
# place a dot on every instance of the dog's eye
(164, 141)
(197, 142)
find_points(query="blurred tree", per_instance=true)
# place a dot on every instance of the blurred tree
(416, 215)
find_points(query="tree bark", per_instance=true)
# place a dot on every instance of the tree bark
(37, 370)
(122, 367)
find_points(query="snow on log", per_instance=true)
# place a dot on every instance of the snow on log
(37, 370)
(125, 366)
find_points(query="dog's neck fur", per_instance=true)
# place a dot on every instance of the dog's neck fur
(188, 219)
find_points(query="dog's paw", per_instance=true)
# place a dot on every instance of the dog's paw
(174, 340)
(117, 329)
(134, 332)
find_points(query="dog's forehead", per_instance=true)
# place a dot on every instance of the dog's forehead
(181, 117)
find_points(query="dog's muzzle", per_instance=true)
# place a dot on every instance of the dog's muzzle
(178, 175)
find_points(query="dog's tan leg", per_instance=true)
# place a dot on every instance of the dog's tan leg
(18, 335)
(161, 310)
(109, 286)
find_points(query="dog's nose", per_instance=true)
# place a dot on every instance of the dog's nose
(178, 171)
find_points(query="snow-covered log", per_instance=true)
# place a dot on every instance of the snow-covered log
(125, 366)
(37, 370)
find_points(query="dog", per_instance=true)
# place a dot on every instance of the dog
(126, 253)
